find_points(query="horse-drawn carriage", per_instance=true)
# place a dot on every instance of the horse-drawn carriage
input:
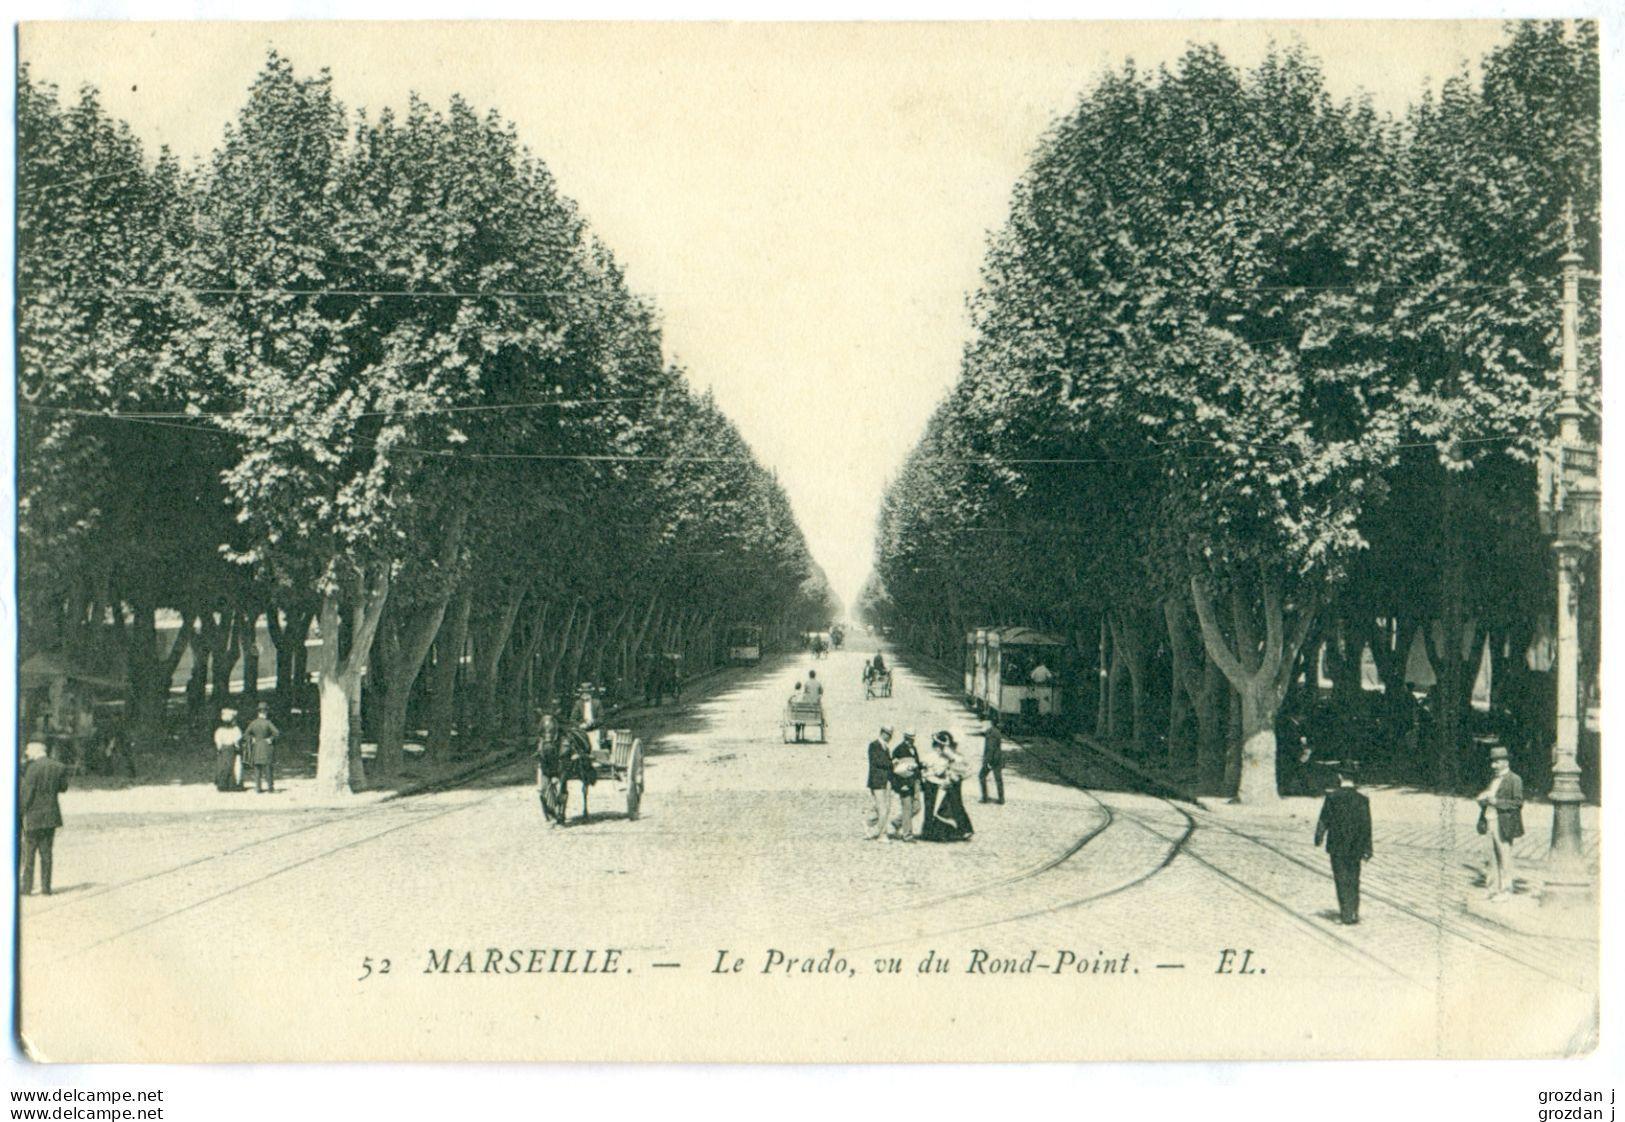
(586, 753)
(876, 681)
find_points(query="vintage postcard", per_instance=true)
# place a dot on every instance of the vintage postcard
(701, 542)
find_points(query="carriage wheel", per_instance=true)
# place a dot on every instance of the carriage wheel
(634, 780)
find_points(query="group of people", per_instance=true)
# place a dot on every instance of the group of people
(926, 783)
(1344, 827)
(810, 692)
(237, 748)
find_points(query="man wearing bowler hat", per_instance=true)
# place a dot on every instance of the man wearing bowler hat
(1345, 828)
(1501, 817)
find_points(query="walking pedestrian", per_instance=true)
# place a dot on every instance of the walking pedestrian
(261, 735)
(1345, 828)
(1501, 817)
(905, 772)
(43, 779)
(992, 759)
(879, 783)
(228, 739)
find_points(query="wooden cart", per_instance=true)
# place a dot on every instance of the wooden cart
(806, 714)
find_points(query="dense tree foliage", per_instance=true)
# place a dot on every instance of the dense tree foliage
(373, 382)
(1250, 365)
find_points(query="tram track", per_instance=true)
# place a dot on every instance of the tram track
(1047, 753)
(395, 805)
(1473, 934)
(394, 801)
(235, 887)
(1181, 847)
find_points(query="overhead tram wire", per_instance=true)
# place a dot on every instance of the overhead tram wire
(167, 420)
(540, 403)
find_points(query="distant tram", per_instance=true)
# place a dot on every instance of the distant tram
(1014, 672)
(744, 643)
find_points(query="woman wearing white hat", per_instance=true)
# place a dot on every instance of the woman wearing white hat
(228, 739)
(945, 769)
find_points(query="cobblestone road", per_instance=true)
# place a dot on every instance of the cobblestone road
(1197, 932)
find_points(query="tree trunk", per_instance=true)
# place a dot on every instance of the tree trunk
(519, 673)
(1258, 671)
(1128, 629)
(580, 650)
(1104, 704)
(1118, 717)
(149, 674)
(197, 682)
(289, 640)
(223, 658)
(403, 646)
(609, 639)
(1212, 727)
(449, 644)
(248, 629)
(562, 649)
(490, 641)
(1184, 676)
(338, 764)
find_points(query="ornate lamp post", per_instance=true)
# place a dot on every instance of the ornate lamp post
(1570, 503)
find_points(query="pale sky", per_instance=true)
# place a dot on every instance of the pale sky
(806, 204)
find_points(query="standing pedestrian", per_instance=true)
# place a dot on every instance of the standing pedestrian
(992, 759)
(42, 781)
(1345, 827)
(945, 816)
(228, 739)
(1501, 817)
(795, 700)
(905, 772)
(879, 783)
(261, 735)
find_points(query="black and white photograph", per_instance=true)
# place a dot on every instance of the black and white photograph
(808, 543)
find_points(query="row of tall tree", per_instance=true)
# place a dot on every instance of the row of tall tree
(1258, 386)
(369, 379)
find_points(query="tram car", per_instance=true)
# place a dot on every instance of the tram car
(1014, 672)
(744, 643)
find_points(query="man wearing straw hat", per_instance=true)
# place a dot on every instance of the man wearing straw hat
(1501, 817)
(879, 782)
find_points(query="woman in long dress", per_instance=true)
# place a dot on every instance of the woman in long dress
(933, 774)
(228, 739)
(950, 821)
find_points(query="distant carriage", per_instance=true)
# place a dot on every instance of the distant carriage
(744, 643)
(1014, 672)
(876, 683)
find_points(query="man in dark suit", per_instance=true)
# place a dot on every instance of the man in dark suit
(879, 783)
(43, 780)
(1345, 827)
(261, 737)
(905, 783)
